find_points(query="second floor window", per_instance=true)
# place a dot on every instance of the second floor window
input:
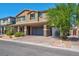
(22, 18)
(32, 16)
(40, 14)
(4, 21)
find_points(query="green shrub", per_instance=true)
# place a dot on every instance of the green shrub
(18, 34)
(9, 33)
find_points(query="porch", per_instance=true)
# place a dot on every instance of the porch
(37, 29)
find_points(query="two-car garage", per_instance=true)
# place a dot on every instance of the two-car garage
(38, 30)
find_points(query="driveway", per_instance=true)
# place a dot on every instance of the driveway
(17, 49)
(46, 41)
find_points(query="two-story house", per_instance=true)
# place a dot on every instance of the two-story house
(32, 23)
(4, 22)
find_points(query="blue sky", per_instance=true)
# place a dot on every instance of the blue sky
(12, 9)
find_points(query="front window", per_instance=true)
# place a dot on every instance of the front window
(18, 19)
(32, 16)
(4, 21)
(40, 14)
(22, 18)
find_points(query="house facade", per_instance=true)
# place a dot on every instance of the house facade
(4, 22)
(32, 23)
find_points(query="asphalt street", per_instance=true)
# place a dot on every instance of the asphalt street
(18, 49)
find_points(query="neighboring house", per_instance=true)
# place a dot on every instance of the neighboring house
(4, 22)
(74, 31)
(32, 23)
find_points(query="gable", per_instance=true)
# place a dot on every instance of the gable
(23, 13)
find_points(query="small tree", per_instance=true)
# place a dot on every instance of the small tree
(59, 17)
(77, 18)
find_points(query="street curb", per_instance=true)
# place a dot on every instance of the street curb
(43, 45)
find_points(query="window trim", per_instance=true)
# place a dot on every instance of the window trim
(32, 16)
(21, 18)
(40, 15)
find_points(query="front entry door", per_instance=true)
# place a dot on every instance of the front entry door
(28, 30)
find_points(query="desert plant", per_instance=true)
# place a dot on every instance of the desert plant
(9, 33)
(18, 34)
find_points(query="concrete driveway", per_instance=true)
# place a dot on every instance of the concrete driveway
(50, 41)
(46, 41)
